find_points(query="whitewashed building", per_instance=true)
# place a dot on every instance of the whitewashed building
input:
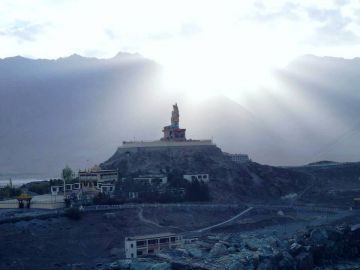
(199, 177)
(100, 180)
(152, 179)
(138, 246)
(56, 190)
(238, 158)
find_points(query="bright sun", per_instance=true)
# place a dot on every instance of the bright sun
(208, 66)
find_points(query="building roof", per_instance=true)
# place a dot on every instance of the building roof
(24, 196)
(150, 236)
(99, 171)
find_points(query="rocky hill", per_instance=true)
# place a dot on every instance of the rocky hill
(229, 181)
(333, 183)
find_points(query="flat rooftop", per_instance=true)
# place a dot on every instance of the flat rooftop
(166, 143)
(150, 236)
(99, 171)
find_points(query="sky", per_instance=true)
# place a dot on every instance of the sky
(205, 46)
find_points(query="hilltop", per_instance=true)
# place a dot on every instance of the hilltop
(229, 182)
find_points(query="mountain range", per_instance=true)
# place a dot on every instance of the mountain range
(76, 111)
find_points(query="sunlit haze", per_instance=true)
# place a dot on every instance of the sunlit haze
(206, 47)
(179, 134)
(274, 79)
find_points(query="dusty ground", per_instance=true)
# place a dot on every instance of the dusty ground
(57, 243)
(187, 219)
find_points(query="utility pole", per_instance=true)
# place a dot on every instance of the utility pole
(64, 187)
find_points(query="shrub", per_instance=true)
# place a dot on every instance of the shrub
(9, 192)
(73, 213)
(197, 191)
(40, 188)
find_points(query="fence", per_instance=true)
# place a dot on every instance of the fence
(34, 205)
(154, 205)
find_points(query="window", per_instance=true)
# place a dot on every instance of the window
(150, 251)
(132, 245)
(139, 253)
(140, 243)
(152, 242)
(173, 239)
(132, 255)
(164, 240)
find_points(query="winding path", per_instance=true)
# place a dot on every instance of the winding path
(145, 220)
(226, 221)
(149, 221)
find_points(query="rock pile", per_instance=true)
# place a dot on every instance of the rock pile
(314, 248)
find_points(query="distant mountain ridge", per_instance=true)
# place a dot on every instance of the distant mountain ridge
(77, 111)
(52, 112)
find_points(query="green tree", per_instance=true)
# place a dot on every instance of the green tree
(197, 191)
(67, 173)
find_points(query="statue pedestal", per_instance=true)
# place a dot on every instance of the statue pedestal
(174, 134)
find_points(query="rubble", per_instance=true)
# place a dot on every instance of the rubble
(322, 247)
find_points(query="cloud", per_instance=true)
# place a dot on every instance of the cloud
(311, 25)
(263, 13)
(23, 30)
(161, 36)
(334, 28)
(52, 29)
(190, 29)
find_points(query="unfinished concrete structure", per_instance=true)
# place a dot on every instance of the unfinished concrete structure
(150, 244)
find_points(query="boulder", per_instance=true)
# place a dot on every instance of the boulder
(149, 264)
(194, 251)
(355, 227)
(304, 261)
(265, 252)
(295, 248)
(232, 249)
(253, 244)
(238, 261)
(121, 264)
(266, 264)
(334, 235)
(218, 250)
(286, 262)
(319, 236)
(115, 266)
(204, 244)
(355, 232)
